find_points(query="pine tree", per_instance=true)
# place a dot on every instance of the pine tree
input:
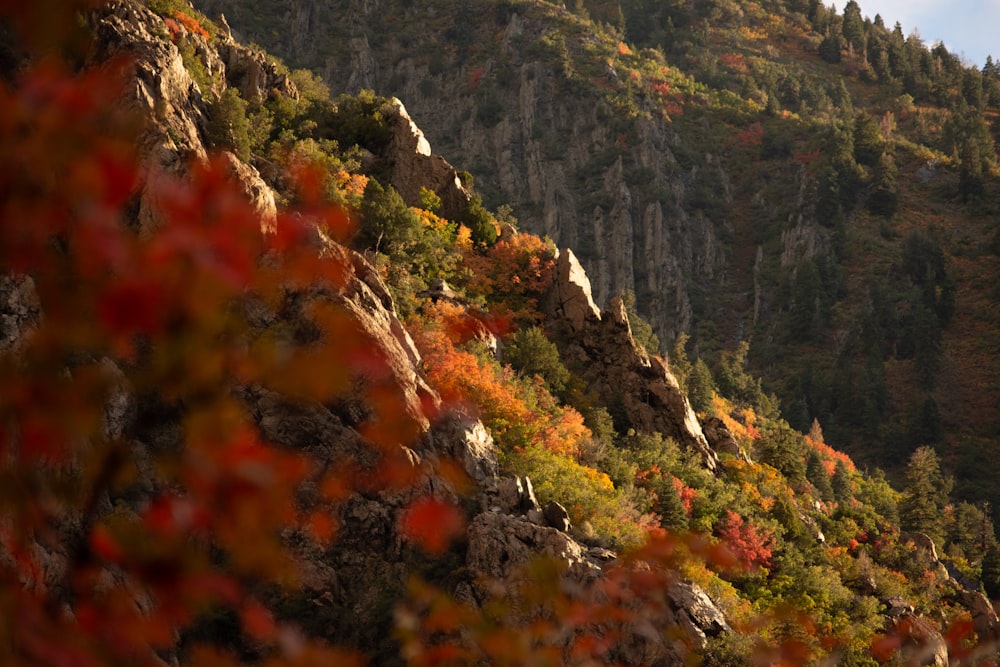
(925, 495)
(816, 474)
(673, 516)
(700, 386)
(843, 491)
(991, 572)
(853, 27)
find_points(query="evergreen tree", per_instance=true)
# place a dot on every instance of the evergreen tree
(853, 26)
(971, 530)
(843, 491)
(479, 221)
(642, 331)
(228, 126)
(387, 224)
(868, 142)
(680, 365)
(991, 572)
(673, 516)
(531, 353)
(816, 474)
(925, 495)
(700, 386)
(781, 446)
(884, 197)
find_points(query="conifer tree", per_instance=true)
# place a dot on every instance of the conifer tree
(991, 572)
(816, 474)
(669, 506)
(843, 492)
(853, 27)
(700, 386)
(925, 495)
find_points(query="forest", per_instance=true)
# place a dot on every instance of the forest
(166, 501)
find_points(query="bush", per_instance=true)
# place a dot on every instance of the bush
(228, 127)
(587, 494)
(529, 352)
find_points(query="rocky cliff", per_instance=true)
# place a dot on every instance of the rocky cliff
(615, 192)
(348, 589)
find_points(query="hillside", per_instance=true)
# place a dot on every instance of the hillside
(281, 389)
(767, 172)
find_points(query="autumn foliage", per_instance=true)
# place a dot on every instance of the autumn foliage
(84, 583)
(114, 546)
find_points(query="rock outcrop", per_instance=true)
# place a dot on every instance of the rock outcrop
(412, 165)
(345, 584)
(252, 73)
(616, 369)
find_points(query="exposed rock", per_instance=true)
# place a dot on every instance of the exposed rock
(501, 544)
(622, 375)
(252, 73)
(984, 616)
(466, 441)
(698, 612)
(921, 644)
(256, 191)
(158, 90)
(556, 516)
(719, 437)
(19, 311)
(440, 290)
(922, 541)
(413, 166)
(571, 296)
(616, 369)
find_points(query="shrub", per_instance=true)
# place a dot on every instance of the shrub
(529, 352)
(228, 125)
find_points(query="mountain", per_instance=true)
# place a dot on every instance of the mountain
(817, 185)
(280, 389)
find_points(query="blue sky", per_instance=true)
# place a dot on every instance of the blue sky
(968, 28)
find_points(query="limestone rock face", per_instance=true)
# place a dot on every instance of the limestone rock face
(696, 610)
(500, 546)
(719, 437)
(254, 189)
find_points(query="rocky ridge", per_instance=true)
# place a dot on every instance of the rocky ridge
(349, 582)
(630, 225)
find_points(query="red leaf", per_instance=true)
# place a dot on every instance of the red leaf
(257, 621)
(104, 545)
(135, 306)
(432, 524)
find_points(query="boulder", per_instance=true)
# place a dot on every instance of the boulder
(556, 516)
(19, 311)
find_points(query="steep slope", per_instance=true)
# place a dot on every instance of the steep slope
(228, 386)
(382, 439)
(751, 171)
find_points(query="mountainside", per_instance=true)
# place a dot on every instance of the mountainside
(279, 389)
(818, 185)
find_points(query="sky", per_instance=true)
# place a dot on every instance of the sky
(968, 28)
